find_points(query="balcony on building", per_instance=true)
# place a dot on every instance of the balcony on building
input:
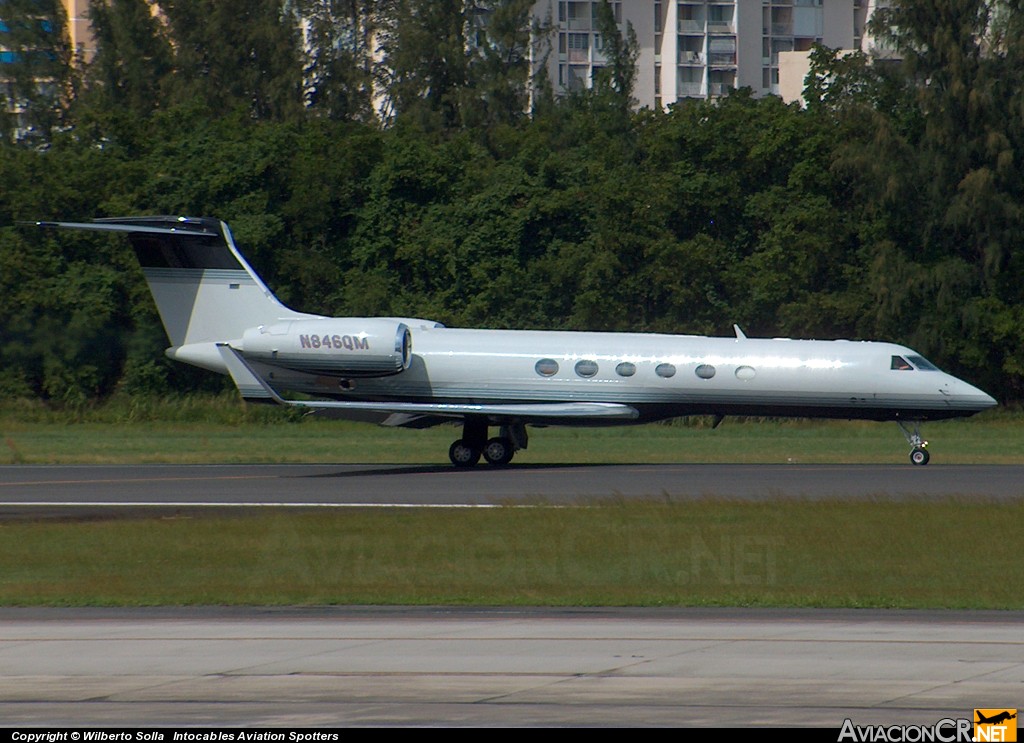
(576, 16)
(721, 19)
(690, 18)
(690, 82)
(691, 49)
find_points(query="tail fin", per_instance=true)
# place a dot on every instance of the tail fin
(204, 289)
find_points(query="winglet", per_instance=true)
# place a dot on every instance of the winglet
(740, 335)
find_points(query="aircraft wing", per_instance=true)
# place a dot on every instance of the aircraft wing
(255, 389)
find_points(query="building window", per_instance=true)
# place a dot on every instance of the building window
(579, 46)
(578, 41)
(577, 78)
(616, 11)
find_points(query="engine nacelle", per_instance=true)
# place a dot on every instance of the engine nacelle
(335, 347)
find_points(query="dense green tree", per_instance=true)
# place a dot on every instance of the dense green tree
(504, 38)
(339, 70)
(621, 51)
(426, 61)
(943, 205)
(451, 64)
(38, 77)
(328, 181)
(887, 208)
(237, 54)
(133, 56)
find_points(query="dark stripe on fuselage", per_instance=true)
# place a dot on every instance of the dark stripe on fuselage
(650, 412)
(659, 412)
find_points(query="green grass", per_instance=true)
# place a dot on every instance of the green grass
(952, 553)
(219, 430)
(955, 553)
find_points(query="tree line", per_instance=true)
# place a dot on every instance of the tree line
(397, 158)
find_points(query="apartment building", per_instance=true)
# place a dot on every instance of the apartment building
(78, 27)
(701, 48)
(687, 48)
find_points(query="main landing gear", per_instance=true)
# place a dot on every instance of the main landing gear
(918, 446)
(466, 452)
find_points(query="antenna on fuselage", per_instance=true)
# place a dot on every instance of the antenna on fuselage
(740, 335)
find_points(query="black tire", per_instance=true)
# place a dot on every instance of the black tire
(919, 456)
(499, 451)
(463, 454)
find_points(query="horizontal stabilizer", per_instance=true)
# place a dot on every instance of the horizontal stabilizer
(146, 225)
(255, 389)
(204, 289)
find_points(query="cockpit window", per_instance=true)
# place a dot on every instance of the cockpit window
(901, 364)
(922, 363)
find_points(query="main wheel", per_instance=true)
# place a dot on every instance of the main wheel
(919, 456)
(499, 451)
(463, 454)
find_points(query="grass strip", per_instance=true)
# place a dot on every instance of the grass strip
(988, 439)
(955, 553)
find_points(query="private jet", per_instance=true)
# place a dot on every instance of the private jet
(411, 372)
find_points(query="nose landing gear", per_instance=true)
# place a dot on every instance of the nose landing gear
(918, 446)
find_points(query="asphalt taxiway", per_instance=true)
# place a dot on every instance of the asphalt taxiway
(503, 667)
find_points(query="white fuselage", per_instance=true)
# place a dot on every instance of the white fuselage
(219, 315)
(662, 375)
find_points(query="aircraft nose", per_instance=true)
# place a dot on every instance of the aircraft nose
(968, 397)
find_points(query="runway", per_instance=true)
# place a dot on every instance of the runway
(39, 490)
(503, 667)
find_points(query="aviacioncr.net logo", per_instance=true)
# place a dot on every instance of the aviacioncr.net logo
(946, 730)
(995, 725)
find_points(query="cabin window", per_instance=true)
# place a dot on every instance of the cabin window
(625, 369)
(547, 367)
(922, 363)
(705, 371)
(745, 372)
(665, 370)
(586, 368)
(900, 364)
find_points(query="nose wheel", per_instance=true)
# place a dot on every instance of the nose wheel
(918, 446)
